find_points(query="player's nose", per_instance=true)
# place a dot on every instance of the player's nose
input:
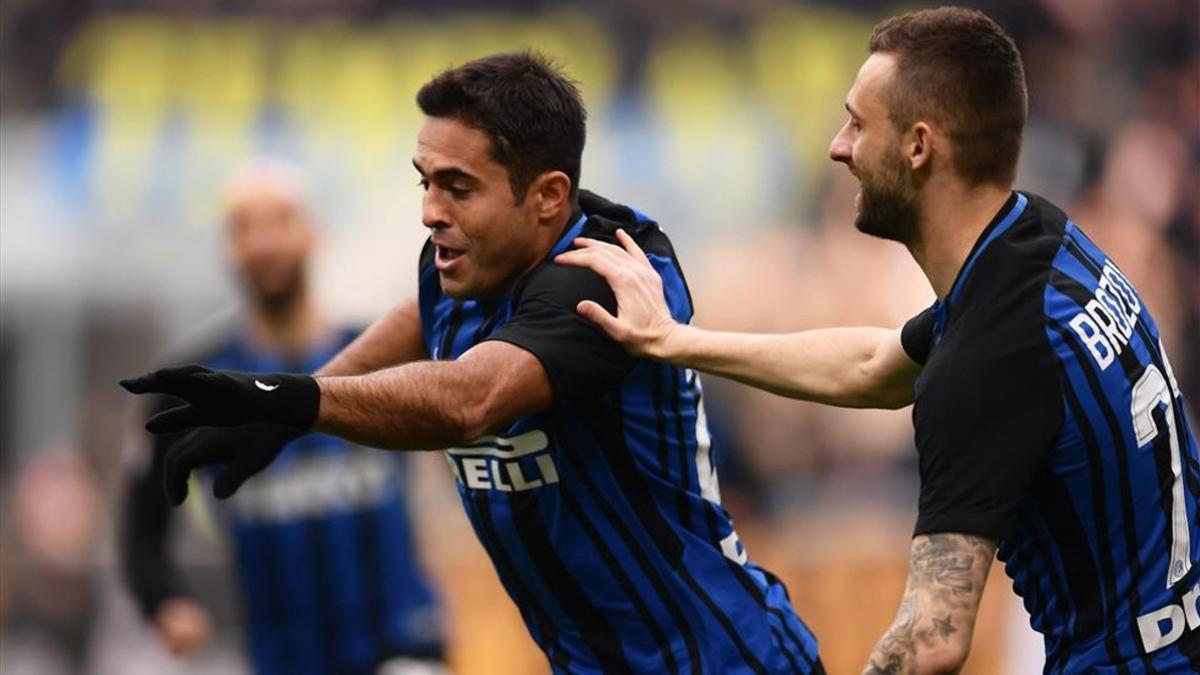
(433, 212)
(840, 146)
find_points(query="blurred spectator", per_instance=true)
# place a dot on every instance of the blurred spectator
(330, 578)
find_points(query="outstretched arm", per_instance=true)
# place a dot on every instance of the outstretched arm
(860, 367)
(425, 404)
(435, 404)
(933, 626)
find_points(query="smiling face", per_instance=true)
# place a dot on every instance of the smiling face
(484, 239)
(870, 145)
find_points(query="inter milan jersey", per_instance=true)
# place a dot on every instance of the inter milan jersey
(602, 514)
(330, 579)
(1047, 417)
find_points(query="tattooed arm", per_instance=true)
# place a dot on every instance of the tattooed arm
(932, 629)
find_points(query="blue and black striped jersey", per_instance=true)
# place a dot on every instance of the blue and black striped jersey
(1047, 416)
(602, 514)
(330, 579)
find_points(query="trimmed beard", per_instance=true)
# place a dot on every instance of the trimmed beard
(889, 202)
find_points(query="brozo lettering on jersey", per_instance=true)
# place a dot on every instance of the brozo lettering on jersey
(1109, 317)
(506, 464)
(602, 515)
(1045, 363)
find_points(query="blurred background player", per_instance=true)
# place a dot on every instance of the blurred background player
(329, 577)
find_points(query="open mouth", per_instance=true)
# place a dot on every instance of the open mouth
(446, 257)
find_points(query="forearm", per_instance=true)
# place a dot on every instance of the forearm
(932, 631)
(393, 339)
(837, 366)
(416, 406)
(150, 573)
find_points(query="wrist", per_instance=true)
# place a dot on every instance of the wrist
(668, 347)
(289, 400)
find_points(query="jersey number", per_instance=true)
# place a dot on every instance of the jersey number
(1152, 390)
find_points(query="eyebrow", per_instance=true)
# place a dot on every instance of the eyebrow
(447, 174)
(851, 110)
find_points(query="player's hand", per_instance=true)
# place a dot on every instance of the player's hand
(183, 624)
(643, 324)
(244, 451)
(224, 398)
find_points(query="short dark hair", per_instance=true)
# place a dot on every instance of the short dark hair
(532, 112)
(960, 69)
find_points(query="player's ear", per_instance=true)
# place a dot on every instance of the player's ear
(551, 192)
(919, 149)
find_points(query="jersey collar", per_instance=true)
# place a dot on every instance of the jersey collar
(1001, 223)
(568, 236)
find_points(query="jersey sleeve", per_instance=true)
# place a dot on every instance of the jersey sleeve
(150, 571)
(917, 336)
(985, 430)
(581, 360)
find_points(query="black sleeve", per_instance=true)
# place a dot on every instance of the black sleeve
(987, 415)
(917, 336)
(149, 571)
(580, 359)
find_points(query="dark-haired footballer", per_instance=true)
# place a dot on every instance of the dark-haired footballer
(587, 474)
(1049, 426)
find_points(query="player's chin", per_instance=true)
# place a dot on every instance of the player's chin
(456, 285)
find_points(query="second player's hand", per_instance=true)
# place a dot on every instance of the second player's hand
(643, 324)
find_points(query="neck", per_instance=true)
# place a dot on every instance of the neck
(291, 327)
(552, 229)
(952, 218)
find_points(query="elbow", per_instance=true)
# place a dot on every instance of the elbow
(473, 418)
(470, 424)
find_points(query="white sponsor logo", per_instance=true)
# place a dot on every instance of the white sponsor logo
(515, 464)
(265, 387)
(314, 486)
(1163, 627)
(1109, 317)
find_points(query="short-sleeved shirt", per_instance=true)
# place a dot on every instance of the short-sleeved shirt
(602, 514)
(1047, 417)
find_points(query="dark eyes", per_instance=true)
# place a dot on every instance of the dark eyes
(456, 192)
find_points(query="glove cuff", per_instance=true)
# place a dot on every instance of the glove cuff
(289, 399)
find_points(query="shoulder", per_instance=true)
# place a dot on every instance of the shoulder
(606, 217)
(425, 260)
(1010, 280)
(569, 284)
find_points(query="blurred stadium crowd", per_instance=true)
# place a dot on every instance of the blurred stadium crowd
(121, 119)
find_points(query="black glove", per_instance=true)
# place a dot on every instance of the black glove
(245, 450)
(225, 398)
